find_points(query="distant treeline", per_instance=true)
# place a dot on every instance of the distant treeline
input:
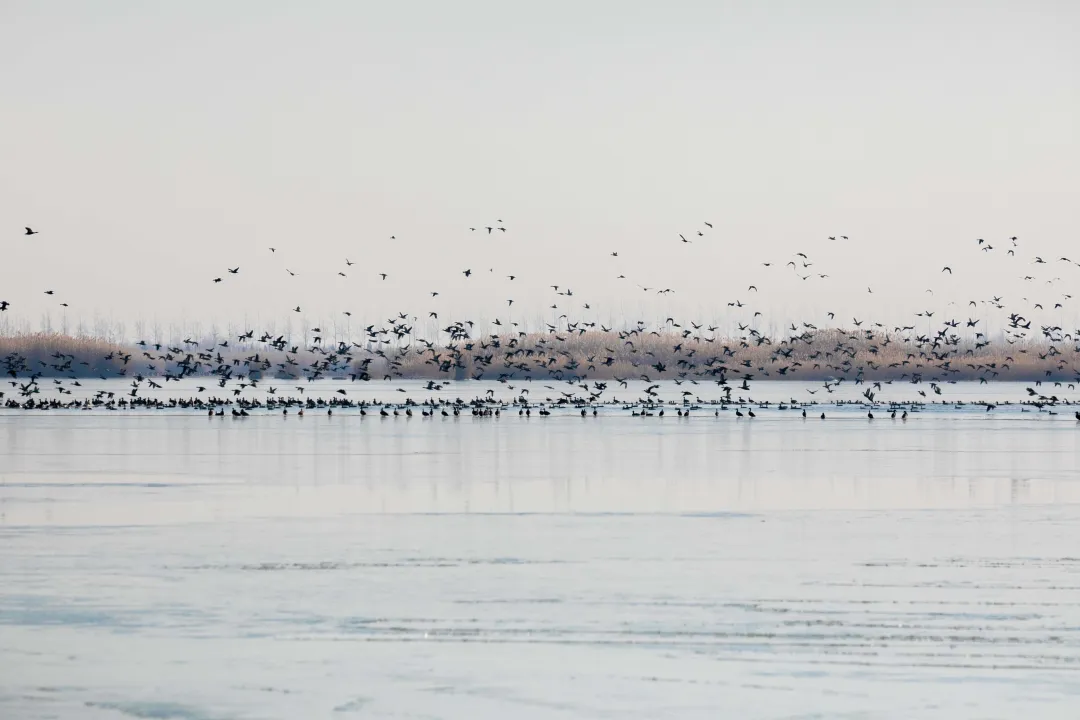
(666, 353)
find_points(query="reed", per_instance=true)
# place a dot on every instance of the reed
(660, 354)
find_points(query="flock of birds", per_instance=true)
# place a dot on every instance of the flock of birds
(593, 361)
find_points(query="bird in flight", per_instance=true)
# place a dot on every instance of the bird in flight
(31, 232)
(234, 270)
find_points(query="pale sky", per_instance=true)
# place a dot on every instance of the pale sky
(154, 145)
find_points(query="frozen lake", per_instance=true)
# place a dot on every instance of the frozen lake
(170, 565)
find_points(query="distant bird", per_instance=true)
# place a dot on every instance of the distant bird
(30, 232)
(947, 268)
(234, 270)
(466, 273)
(4, 305)
(49, 292)
(217, 280)
(383, 275)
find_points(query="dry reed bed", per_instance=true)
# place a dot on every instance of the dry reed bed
(829, 353)
(39, 351)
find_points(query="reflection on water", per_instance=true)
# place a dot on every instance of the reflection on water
(172, 565)
(348, 464)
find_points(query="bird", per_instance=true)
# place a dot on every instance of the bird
(947, 269)
(234, 270)
(30, 232)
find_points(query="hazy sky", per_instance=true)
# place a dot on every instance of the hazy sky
(156, 144)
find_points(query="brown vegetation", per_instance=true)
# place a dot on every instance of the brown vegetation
(652, 355)
(83, 356)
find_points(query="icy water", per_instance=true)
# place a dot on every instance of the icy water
(170, 565)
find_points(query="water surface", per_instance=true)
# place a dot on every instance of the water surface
(170, 565)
